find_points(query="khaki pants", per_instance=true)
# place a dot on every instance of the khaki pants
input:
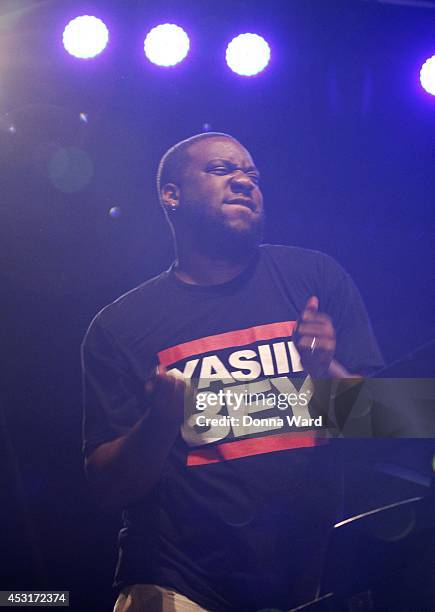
(153, 598)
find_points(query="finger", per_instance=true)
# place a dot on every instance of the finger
(321, 345)
(311, 309)
(151, 375)
(161, 368)
(180, 384)
(312, 304)
(160, 384)
(180, 394)
(320, 317)
(313, 328)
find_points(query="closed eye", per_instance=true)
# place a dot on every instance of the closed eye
(220, 170)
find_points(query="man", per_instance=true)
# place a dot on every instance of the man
(221, 515)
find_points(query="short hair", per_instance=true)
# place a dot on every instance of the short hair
(174, 160)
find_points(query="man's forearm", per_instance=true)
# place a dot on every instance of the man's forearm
(125, 469)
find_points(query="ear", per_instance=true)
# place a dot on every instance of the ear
(170, 194)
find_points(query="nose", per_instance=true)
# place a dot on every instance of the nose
(241, 183)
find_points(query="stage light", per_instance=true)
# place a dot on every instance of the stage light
(166, 45)
(85, 37)
(248, 54)
(427, 75)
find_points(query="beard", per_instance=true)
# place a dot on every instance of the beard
(215, 237)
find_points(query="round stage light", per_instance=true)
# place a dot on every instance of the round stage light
(248, 54)
(166, 45)
(427, 75)
(85, 36)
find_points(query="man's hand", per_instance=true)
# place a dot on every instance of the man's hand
(314, 338)
(165, 394)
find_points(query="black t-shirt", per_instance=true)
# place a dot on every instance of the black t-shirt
(240, 517)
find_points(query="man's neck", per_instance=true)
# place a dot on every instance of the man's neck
(197, 268)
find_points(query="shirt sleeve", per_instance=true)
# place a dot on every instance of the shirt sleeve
(357, 349)
(112, 394)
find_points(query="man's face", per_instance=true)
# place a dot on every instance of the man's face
(219, 191)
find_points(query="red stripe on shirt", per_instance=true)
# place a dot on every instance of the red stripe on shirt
(238, 337)
(253, 446)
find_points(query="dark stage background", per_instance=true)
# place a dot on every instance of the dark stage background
(344, 137)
